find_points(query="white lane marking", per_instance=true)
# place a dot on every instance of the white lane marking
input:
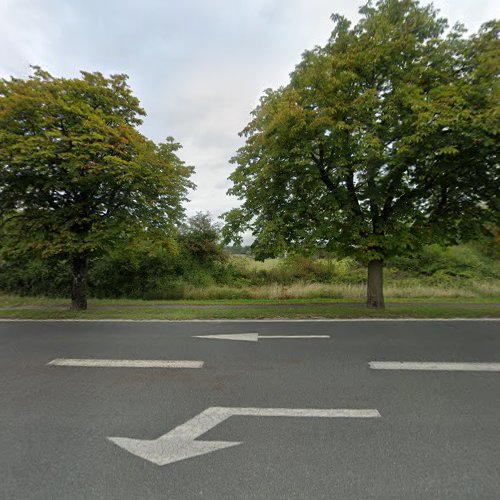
(248, 337)
(435, 366)
(294, 337)
(180, 444)
(254, 337)
(126, 363)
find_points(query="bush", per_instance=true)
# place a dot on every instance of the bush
(464, 269)
(51, 278)
(442, 263)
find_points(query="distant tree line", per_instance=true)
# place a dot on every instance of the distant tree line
(239, 249)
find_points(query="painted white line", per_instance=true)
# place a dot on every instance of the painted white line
(294, 337)
(126, 363)
(435, 366)
(297, 412)
(180, 444)
(254, 337)
(247, 337)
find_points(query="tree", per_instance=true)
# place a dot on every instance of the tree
(76, 177)
(384, 139)
(200, 237)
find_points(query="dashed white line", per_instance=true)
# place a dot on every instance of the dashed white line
(435, 366)
(125, 363)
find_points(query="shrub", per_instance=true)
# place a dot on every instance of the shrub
(27, 276)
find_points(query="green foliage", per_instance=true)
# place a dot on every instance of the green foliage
(145, 268)
(76, 177)
(448, 263)
(34, 277)
(385, 138)
(195, 258)
(239, 250)
(200, 238)
(464, 270)
(297, 269)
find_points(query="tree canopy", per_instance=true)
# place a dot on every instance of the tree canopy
(76, 175)
(200, 236)
(384, 138)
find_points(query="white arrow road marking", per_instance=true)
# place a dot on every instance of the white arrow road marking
(254, 337)
(126, 363)
(435, 366)
(180, 444)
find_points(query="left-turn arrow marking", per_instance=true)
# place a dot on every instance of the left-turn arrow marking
(180, 444)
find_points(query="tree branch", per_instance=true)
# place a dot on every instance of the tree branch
(351, 189)
(374, 210)
(395, 179)
(408, 196)
(320, 164)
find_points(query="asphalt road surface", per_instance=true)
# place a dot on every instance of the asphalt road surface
(92, 410)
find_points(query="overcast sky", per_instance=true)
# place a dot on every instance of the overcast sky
(198, 66)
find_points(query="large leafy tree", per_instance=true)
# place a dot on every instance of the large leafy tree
(384, 139)
(76, 176)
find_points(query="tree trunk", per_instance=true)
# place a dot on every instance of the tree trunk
(375, 295)
(79, 287)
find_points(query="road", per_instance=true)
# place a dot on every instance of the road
(263, 416)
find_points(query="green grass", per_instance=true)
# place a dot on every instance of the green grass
(418, 297)
(405, 290)
(251, 264)
(137, 310)
(14, 301)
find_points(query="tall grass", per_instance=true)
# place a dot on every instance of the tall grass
(356, 292)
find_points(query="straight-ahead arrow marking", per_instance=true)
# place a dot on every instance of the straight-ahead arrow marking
(180, 444)
(254, 337)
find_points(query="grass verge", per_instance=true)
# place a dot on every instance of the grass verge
(8, 301)
(265, 311)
